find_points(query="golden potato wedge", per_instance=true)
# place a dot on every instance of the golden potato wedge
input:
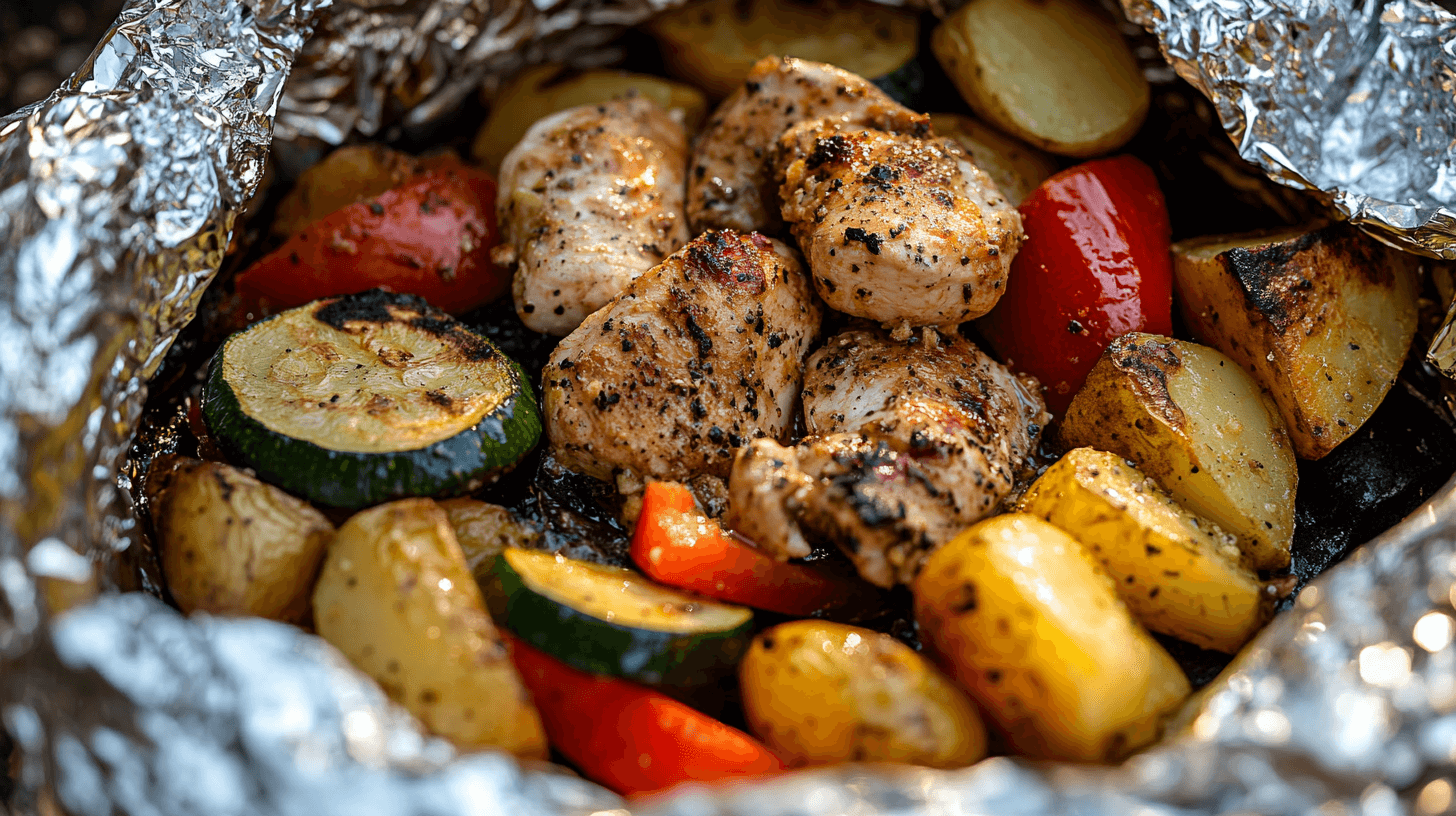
(713, 43)
(1322, 318)
(545, 89)
(1055, 73)
(483, 530)
(819, 692)
(1016, 167)
(1177, 573)
(397, 598)
(346, 176)
(1022, 619)
(234, 545)
(1197, 423)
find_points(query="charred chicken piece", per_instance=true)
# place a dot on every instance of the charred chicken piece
(591, 198)
(912, 442)
(896, 228)
(731, 183)
(699, 356)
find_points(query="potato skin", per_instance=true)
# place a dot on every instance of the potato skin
(713, 44)
(483, 530)
(397, 598)
(1023, 620)
(1016, 167)
(819, 692)
(1054, 73)
(1322, 318)
(1197, 423)
(1177, 573)
(233, 545)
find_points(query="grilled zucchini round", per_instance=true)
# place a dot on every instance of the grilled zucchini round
(357, 400)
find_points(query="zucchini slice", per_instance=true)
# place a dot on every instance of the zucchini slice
(610, 620)
(362, 399)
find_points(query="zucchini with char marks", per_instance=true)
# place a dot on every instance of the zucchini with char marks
(356, 400)
(610, 620)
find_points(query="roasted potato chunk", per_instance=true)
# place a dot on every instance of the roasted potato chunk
(545, 89)
(1177, 573)
(1016, 167)
(713, 43)
(397, 598)
(1198, 424)
(1322, 318)
(1055, 73)
(234, 545)
(1022, 619)
(483, 530)
(819, 692)
(347, 176)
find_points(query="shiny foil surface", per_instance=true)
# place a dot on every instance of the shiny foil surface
(118, 195)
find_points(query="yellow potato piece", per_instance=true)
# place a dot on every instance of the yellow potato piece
(538, 92)
(483, 530)
(1177, 573)
(1197, 423)
(1016, 167)
(1055, 73)
(1322, 318)
(346, 176)
(233, 545)
(713, 43)
(819, 692)
(1024, 621)
(397, 598)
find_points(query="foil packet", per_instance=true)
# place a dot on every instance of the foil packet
(118, 196)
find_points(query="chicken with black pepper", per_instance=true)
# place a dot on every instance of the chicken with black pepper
(910, 443)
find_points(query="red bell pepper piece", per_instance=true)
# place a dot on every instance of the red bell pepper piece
(1096, 265)
(676, 545)
(430, 236)
(629, 738)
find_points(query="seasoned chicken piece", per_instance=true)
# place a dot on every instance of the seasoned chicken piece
(697, 357)
(896, 228)
(731, 185)
(591, 198)
(911, 443)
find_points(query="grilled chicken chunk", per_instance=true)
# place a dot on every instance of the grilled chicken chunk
(911, 443)
(699, 356)
(896, 228)
(731, 184)
(591, 198)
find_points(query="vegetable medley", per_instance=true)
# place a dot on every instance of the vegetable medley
(828, 355)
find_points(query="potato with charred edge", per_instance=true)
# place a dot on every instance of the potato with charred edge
(1055, 73)
(1024, 621)
(234, 545)
(1322, 318)
(1177, 573)
(1198, 424)
(819, 692)
(397, 598)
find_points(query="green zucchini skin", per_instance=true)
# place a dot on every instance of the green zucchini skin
(672, 659)
(350, 480)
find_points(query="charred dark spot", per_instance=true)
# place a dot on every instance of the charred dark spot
(376, 208)
(721, 257)
(705, 343)
(1075, 327)
(775, 340)
(1148, 364)
(605, 400)
(869, 239)
(966, 599)
(832, 149)
(440, 398)
(883, 177)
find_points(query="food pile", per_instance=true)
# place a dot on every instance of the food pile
(831, 361)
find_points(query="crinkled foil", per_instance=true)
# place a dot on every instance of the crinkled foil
(117, 199)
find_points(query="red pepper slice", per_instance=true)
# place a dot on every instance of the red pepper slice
(430, 236)
(629, 738)
(676, 545)
(1096, 265)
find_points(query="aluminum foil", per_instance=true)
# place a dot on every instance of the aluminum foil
(117, 198)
